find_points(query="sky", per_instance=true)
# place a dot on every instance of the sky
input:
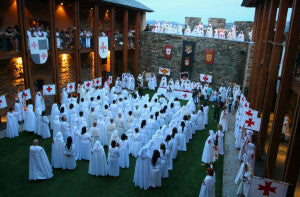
(177, 10)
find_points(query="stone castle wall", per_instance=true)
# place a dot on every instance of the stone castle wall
(229, 62)
(217, 23)
(192, 21)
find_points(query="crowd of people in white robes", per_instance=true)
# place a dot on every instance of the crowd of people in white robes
(201, 31)
(152, 130)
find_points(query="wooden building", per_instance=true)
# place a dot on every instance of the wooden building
(124, 18)
(275, 85)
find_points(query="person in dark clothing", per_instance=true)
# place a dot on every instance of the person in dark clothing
(218, 106)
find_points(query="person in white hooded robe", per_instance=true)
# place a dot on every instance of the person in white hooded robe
(39, 165)
(224, 120)
(120, 124)
(103, 131)
(98, 165)
(39, 101)
(76, 140)
(57, 154)
(124, 154)
(56, 125)
(12, 125)
(205, 111)
(44, 126)
(208, 151)
(85, 144)
(38, 121)
(142, 169)
(19, 109)
(245, 175)
(54, 112)
(30, 119)
(208, 184)
(220, 136)
(95, 133)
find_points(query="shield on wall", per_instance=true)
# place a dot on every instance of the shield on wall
(168, 49)
(103, 46)
(38, 49)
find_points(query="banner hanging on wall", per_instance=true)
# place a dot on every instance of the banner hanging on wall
(209, 56)
(168, 50)
(38, 49)
(188, 49)
(103, 46)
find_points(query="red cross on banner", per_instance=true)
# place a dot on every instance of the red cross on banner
(71, 87)
(49, 90)
(98, 82)
(267, 188)
(252, 123)
(88, 84)
(103, 46)
(3, 103)
(34, 45)
(205, 78)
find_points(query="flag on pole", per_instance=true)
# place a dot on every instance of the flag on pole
(205, 78)
(78, 88)
(252, 123)
(98, 81)
(110, 79)
(24, 95)
(49, 89)
(88, 84)
(71, 87)
(3, 103)
(103, 46)
(266, 187)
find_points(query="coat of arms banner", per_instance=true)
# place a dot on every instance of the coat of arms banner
(188, 49)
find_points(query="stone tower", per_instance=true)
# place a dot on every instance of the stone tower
(192, 21)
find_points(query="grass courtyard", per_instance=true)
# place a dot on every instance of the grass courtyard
(184, 180)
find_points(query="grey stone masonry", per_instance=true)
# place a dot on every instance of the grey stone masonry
(245, 26)
(229, 61)
(192, 21)
(217, 23)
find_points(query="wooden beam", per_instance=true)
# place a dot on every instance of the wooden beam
(292, 161)
(284, 88)
(267, 46)
(254, 29)
(77, 43)
(136, 44)
(112, 40)
(272, 75)
(53, 49)
(24, 41)
(254, 65)
(96, 40)
(296, 86)
(260, 50)
(125, 41)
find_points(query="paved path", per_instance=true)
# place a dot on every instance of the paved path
(231, 162)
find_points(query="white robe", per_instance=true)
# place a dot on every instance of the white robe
(19, 109)
(98, 165)
(142, 170)
(44, 126)
(85, 146)
(155, 175)
(12, 125)
(30, 119)
(124, 154)
(220, 142)
(207, 154)
(39, 166)
(208, 187)
(113, 161)
(70, 161)
(58, 156)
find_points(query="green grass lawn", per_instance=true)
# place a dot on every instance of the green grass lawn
(184, 180)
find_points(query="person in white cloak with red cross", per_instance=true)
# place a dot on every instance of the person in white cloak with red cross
(208, 184)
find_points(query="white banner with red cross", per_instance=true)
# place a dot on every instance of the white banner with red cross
(88, 84)
(103, 46)
(252, 123)
(206, 78)
(98, 82)
(266, 187)
(3, 103)
(249, 112)
(110, 78)
(183, 95)
(71, 87)
(49, 89)
(24, 95)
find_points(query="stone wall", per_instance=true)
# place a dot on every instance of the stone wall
(217, 23)
(245, 26)
(229, 62)
(192, 21)
(246, 82)
(12, 81)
